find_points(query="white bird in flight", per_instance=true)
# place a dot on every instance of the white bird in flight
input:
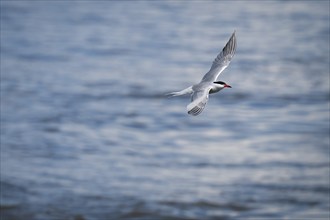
(200, 92)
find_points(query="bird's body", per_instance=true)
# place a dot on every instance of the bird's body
(200, 91)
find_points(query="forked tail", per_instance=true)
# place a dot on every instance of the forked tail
(182, 92)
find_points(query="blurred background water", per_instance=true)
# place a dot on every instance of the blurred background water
(86, 132)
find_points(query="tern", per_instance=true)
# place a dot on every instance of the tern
(200, 92)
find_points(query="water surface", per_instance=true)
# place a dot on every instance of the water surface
(86, 132)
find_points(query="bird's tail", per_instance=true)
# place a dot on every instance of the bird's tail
(182, 92)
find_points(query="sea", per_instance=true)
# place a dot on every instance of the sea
(87, 132)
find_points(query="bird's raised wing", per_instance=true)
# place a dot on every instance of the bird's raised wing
(198, 101)
(222, 60)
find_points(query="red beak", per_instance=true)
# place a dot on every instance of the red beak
(227, 86)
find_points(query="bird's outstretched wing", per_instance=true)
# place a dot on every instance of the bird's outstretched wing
(222, 60)
(198, 101)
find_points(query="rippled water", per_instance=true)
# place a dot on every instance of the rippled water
(86, 132)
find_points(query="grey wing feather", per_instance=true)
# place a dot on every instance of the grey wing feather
(222, 60)
(198, 101)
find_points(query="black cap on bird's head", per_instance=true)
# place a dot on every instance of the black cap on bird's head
(223, 83)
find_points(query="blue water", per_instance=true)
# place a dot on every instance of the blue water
(87, 134)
